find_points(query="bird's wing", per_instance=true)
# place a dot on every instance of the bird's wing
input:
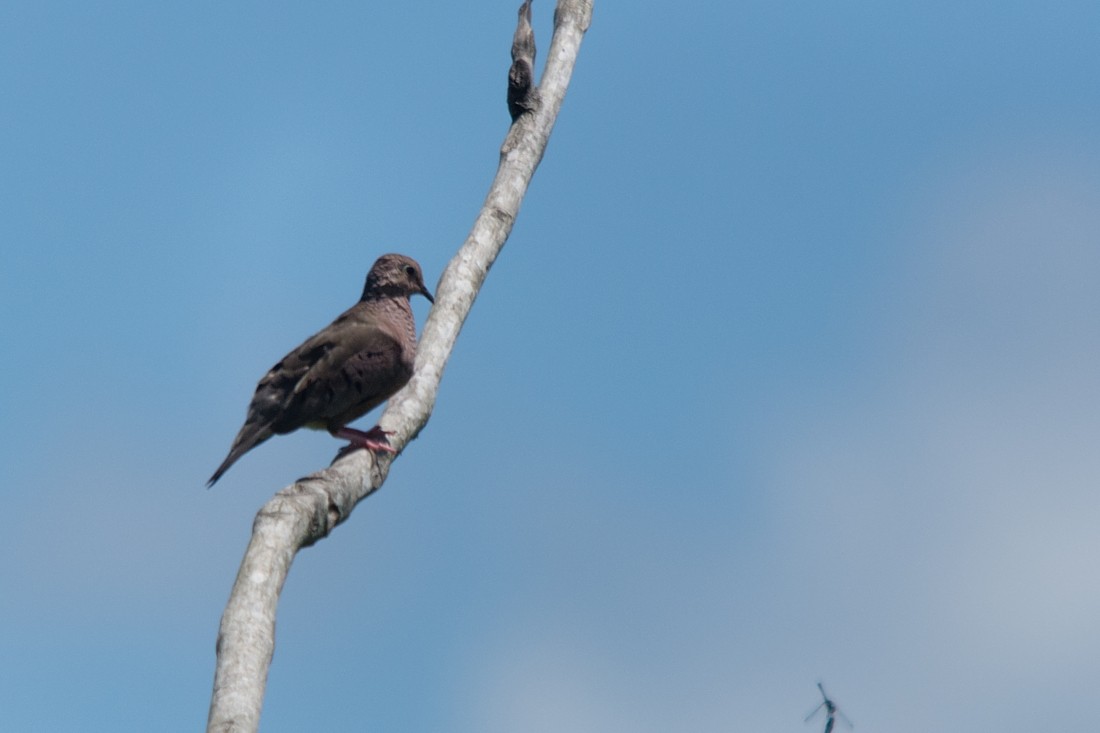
(339, 374)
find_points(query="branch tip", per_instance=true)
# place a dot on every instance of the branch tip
(522, 92)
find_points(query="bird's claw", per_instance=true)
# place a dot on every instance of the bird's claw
(374, 439)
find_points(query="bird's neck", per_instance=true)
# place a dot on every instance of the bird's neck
(399, 306)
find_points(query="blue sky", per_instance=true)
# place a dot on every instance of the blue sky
(787, 373)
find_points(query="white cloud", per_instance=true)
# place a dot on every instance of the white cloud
(956, 498)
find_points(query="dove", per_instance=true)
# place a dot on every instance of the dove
(345, 370)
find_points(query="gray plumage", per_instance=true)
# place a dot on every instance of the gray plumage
(344, 371)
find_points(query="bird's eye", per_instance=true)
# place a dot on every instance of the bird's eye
(410, 271)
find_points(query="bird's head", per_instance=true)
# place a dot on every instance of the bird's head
(395, 275)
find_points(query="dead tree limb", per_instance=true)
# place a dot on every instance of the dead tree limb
(309, 509)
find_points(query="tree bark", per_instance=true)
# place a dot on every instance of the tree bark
(309, 509)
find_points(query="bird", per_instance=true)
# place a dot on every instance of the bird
(343, 371)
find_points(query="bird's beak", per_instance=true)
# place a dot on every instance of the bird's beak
(426, 294)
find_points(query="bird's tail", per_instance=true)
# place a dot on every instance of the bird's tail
(251, 435)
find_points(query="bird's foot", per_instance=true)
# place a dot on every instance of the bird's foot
(374, 439)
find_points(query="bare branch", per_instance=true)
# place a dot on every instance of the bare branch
(309, 509)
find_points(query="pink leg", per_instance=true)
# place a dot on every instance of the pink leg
(374, 439)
